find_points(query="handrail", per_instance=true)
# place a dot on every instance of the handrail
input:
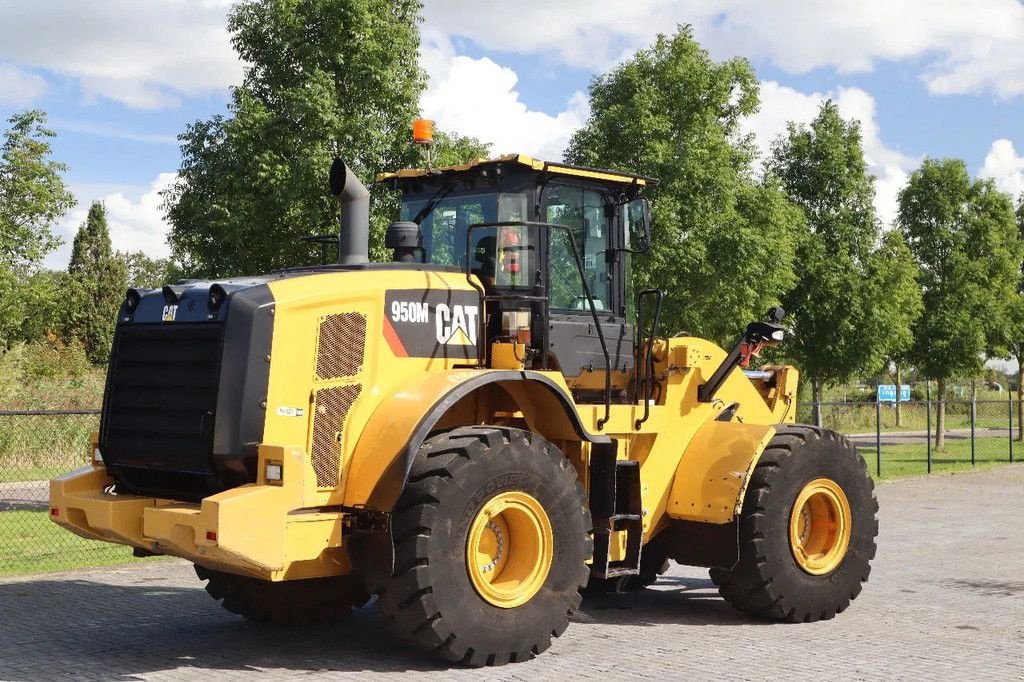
(646, 378)
(546, 298)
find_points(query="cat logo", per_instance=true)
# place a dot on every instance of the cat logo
(457, 325)
(432, 323)
(170, 312)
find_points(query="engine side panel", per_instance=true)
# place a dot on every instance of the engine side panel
(323, 391)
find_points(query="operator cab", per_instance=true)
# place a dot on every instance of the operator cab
(551, 246)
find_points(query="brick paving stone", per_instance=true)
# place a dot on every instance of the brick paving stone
(945, 601)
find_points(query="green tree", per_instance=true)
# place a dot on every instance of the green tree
(150, 273)
(723, 241)
(32, 191)
(895, 304)
(96, 286)
(965, 239)
(324, 78)
(13, 303)
(31, 304)
(852, 307)
(32, 197)
(45, 304)
(452, 149)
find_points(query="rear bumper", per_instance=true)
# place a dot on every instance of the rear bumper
(255, 530)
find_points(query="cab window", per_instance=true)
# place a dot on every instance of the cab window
(583, 212)
(500, 257)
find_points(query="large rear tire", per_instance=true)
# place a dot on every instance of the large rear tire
(314, 601)
(807, 529)
(491, 539)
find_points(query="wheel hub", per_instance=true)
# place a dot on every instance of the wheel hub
(820, 526)
(509, 549)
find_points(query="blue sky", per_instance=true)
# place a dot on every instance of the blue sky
(121, 79)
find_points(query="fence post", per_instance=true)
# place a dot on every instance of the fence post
(974, 403)
(928, 420)
(878, 435)
(1009, 401)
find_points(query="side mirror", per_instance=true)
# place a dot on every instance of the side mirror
(768, 331)
(638, 225)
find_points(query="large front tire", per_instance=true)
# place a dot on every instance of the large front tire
(491, 539)
(807, 529)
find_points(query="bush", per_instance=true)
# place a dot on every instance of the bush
(52, 359)
(48, 374)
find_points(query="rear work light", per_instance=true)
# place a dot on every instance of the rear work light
(275, 472)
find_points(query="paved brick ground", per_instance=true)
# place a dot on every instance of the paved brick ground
(945, 601)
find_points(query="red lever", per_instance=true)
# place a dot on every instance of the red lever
(748, 351)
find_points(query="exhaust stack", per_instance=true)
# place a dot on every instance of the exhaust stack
(354, 216)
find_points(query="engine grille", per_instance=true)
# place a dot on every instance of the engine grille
(331, 409)
(161, 397)
(340, 344)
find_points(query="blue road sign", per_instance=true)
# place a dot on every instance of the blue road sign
(887, 393)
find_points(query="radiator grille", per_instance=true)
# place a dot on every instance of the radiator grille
(161, 396)
(340, 345)
(332, 406)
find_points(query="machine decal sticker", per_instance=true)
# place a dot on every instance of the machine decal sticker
(432, 323)
(170, 312)
(290, 411)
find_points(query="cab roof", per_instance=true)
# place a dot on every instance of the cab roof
(529, 162)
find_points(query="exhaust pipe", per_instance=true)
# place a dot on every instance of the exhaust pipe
(354, 216)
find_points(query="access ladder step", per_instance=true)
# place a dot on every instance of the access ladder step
(615, 507)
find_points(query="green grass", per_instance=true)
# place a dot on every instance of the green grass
(911, 459)
(31, 543)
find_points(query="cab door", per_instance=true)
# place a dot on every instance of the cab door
(574, 346)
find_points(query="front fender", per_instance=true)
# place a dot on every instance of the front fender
(712, 475)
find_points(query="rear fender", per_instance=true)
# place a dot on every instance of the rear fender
(401, 423)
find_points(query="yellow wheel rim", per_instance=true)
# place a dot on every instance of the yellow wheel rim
(509, 549)
(820, 526)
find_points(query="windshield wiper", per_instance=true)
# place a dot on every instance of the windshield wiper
(434, 201)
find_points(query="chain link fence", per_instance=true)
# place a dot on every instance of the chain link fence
(901, 439)
(35, 446)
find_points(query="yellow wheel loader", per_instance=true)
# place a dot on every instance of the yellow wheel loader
(476, 432)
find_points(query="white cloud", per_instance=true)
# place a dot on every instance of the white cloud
(134, 217)
(781, 104)
(1004, 165)
(891, 167)
(150, 54)
(142, 54)
(960, 47)
(477, 97)
(19, 87)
